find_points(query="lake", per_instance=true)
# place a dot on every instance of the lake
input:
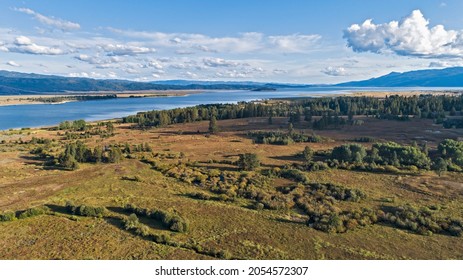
(37, 115)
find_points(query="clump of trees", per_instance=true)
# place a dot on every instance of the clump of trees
(421, 221)
(172, 221)
(452, 151)
(23, 214)
(329, 112)
(85, 210)
(341, 222)
(281, 138)
(397, 155)
(78, 152)
(354, 153)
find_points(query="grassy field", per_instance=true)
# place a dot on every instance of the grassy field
(217, 228)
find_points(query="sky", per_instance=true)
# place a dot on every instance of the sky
(291, 41)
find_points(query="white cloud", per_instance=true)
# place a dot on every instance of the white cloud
(121, 49)
(279, 71)
(79, 75)
(219, 62)
(94, 75)
(12, 63)
(154, 64)
(3, 48)
(61, 24)
(444, 64)
(184, 52)
(106, 62)
(23, 44)
(243, 43)
(412, 36)
(294, 43)
(334, 71)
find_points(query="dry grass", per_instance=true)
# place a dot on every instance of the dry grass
(232, 226)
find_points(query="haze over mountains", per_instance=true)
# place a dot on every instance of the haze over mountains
(23, 83)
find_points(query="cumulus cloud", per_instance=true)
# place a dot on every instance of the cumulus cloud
(334, 71)
(12, 63)
(412, 36)
(61, 24)
(121, 49)
(23, 44)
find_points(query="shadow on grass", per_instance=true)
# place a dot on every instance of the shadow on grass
(289, 157)
(152, 223)
(288, 221)
(58, 208)
(45, 163)
(117, 223)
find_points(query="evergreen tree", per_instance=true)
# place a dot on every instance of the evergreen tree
(213, 128)
(115, 155)
(307, 154)
(440, 166)
(248, 162)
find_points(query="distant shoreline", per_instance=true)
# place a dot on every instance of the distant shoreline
(11, 100)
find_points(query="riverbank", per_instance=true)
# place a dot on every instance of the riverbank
(8, 100)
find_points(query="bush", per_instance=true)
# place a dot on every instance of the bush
(170, 220)
(7, 216)
(200, 195)
(421, 221)
(131, 222)
(294, 174)
(248, 162)
(36, 211)
(85, 210)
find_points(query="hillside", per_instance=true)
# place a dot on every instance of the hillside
(23, 83)
(448, 77)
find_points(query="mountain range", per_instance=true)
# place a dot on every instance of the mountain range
(447, 77)
(23, 83)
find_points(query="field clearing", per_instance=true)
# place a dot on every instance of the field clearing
(233, 226)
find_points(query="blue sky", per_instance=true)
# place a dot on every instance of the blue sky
(292, 41)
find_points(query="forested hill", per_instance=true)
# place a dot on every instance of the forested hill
(22, 83)
(448, 77)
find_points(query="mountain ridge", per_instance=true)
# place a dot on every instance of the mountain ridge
(31, 83)
(446, 77)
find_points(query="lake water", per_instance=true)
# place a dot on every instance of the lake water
(18, 116)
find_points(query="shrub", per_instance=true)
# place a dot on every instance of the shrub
(294, 174)
(85, 210)
(7, 216)
(131, 222)
(248, 161)
(170, 220)
(200, 195)
(36, 211)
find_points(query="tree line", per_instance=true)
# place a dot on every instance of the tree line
(329, 109)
